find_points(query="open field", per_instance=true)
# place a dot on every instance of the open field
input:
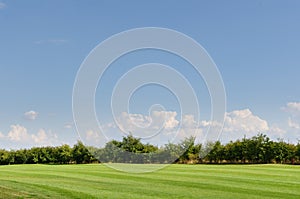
(175, 181)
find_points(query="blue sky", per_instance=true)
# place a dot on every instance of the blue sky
(255, 45)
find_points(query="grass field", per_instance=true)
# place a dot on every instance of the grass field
(175, 181)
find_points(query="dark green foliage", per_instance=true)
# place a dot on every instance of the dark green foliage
(129, 150)
(256, 150)
(47, 155)
(81, 154)
(4, 157)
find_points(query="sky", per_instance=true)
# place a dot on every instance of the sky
(254, 44)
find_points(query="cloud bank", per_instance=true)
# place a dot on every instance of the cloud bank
(161, 127)
(19, 137)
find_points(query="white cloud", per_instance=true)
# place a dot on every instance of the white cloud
(1, 135)
(164, 126)
(137, 122)
(293, 121)
(45, 138)
(158, 128)
(91, 135)
(240, 123)
(190, 127)
(205, 124)
(131, 120)
(292, 108)
(18, 133)
(2, 5)
(40, 138)
(68, 126)
(169, 118)
(276, 132)
(18, 137)
(244, 121)
(31, 115)
(293, 124)
(188, 121)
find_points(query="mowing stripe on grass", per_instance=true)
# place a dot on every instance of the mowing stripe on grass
(175, 181)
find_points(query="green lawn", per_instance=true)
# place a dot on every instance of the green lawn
(175, 181)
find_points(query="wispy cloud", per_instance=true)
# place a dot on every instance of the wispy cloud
(68, 126)
(2, 5)
(1, 135)
(51, 41)
(31, 115)
(292, 108)
(293, 124)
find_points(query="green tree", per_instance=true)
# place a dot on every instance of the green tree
(80, 154)
(297, 152)
(4, 157)
(63, 154)
(188, 148)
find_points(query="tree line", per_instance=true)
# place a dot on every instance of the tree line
(64, 154)
(259, 149)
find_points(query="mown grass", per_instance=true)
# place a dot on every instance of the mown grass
(175, 181)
